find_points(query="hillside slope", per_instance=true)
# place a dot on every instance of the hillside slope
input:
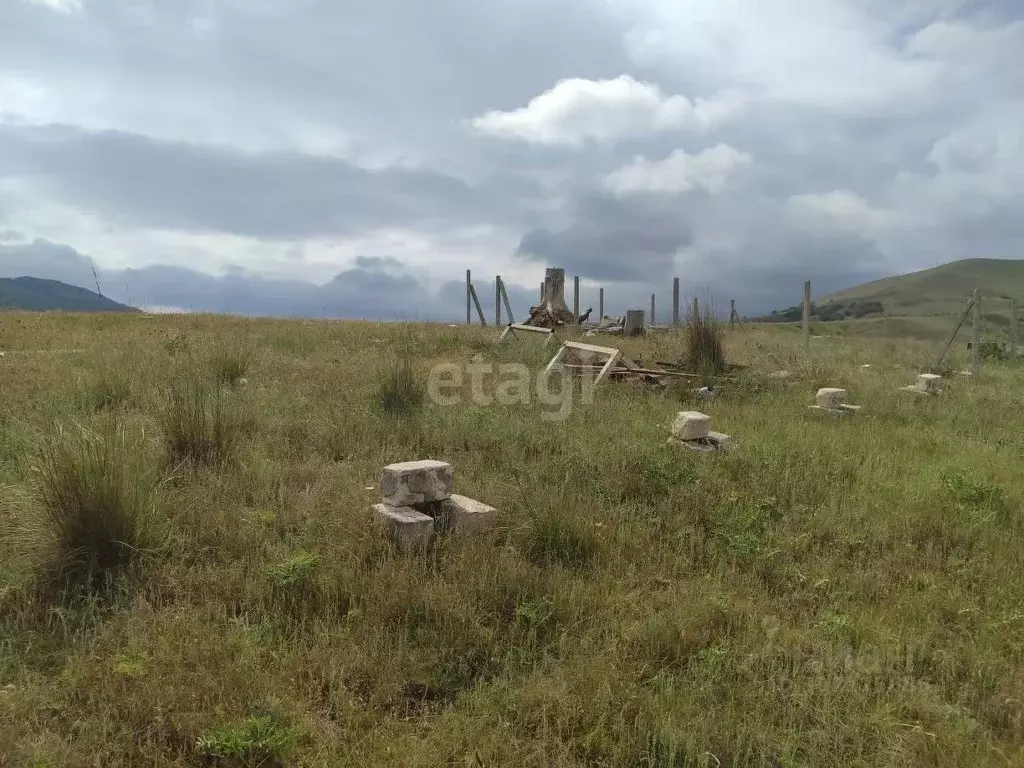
(36, 294)
(941, 290)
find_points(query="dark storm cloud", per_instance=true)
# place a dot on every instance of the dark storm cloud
(137, 181)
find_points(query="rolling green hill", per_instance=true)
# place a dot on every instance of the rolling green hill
(36, 294)
(941, 290)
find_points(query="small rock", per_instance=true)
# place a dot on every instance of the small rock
(780, 375)
(929, 382)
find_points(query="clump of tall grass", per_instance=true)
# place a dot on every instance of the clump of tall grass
(704, 351)
(114, 385)
(401, 390)
(230, 361)
(99, 503)
(200, 425)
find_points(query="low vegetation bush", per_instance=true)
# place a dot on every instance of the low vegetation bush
(98, 502)
(230, 361)
(200, 425)
(401, 390)
(703, 339)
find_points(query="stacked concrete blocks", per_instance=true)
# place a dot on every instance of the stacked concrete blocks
(692, 429)
(417, 501)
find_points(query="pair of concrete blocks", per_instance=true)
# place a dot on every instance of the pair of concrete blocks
(417, 501)
(692, 429)
(833, 400)
(927, 384)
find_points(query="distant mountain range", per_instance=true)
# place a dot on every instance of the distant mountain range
(36, 294)
(940, 290)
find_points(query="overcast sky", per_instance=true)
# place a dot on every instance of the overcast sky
(354, 158)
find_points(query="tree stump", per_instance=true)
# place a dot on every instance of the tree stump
(552, 310)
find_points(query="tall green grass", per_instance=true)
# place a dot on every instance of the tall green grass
(200, 423)
(98, 503)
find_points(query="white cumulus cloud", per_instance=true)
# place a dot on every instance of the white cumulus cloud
(679, 172)
(842, 210)
(575, 111)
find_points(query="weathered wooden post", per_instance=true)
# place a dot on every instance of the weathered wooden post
(1013, 329)
(476, 302)
(976, 335)
(634, 323)
(497, 300)
(600, 306)
(807, 316)
(732, 313)
(675, 301)
(652, 309)
(695, 310)
(469, 298)
(542, 293)
(576, 297)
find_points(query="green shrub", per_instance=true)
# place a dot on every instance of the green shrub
(98, 501)
(259, 741)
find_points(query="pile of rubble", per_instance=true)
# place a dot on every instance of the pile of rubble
(417, 501)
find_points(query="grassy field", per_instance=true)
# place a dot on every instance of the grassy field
(828, 593)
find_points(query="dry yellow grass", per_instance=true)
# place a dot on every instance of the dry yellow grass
(830, 593)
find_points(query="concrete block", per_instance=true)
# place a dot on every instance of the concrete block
(691, 425)
(830, 397)
(416, 482)
(406, 526)
(462, 513)
(929, 382)
(721, 441)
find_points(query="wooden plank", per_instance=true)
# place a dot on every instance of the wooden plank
(531, 328)
(590, 348)
(506, 332)
(476, 301)
(952, 336)
(607, 367)
(556, 359)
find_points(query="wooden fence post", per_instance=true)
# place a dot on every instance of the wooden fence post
(1013, 329)
(976, 335)
(807, 316)
(469, 300)
(634, 323)
(952, 334)
(576, 298)
(675, 301)
(696, 309)
(732, 313)
(508, 307)
(652, 309)
(600, 306)
(497, 300)
(476, 301)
